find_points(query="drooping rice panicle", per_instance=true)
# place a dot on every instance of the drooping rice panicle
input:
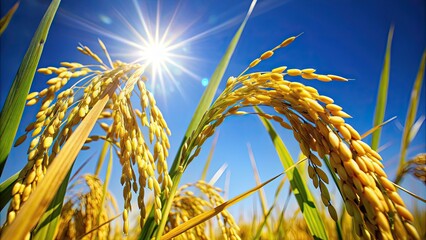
(80, 213)
(187, 205)
(62, 109)
(319, 125)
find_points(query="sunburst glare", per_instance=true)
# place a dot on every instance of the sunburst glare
(158, 38)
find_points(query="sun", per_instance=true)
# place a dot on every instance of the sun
(158, 40)
(155, 53)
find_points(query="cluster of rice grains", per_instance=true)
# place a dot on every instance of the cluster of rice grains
(57, 117)
(319, 126)
(84, 212)
(187, 205)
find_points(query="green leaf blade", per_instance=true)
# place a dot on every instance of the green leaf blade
(11, 113)
(300, 189)
(382, 93)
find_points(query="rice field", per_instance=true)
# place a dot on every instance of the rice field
(104, 156)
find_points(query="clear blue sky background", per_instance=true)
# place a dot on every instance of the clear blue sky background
(346, 38)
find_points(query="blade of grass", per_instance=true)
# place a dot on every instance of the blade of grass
(218, 174)
(416, 127)
(6, 190)
(205, 102)
(46, 190)
(262, 195)
(382, 92)
(300, 189)
(268, 214)
(211, 213)
(263, 223)
(101, 158)
(46, 229)
(209, 158)
(11, 113)
(106, 183)
(4, 21)
(411, 115)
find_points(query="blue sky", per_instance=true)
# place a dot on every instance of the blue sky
(346, 38)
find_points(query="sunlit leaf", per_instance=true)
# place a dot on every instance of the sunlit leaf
(203, 105)
(382, 93)
(411, 116)
(46, 190)
(6, 190)
(11, 113)
(4, 21)
(300, 189)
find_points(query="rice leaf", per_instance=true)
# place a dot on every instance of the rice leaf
(46, 229)
(11, 113)
(382, 93)
(4, 21)
(46, 190)
(209, 157)
(262, 195)
(263, 223)
(106, 183)
(411, 116)
(209, 214)
(300, 189)
(416, 127)
(215, 79)
(205, 102)
(6, 190)
(101, 158)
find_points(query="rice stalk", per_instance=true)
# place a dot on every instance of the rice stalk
(81, 214)
(262, 196)
(209, 158)
(382, 92)
(176, 169)
(4, 21)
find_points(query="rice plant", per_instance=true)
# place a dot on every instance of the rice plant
(45, 204)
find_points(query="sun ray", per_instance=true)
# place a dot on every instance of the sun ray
(159, 41)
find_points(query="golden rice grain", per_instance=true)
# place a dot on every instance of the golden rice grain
(309, 76)
(266, 55)
(333, 139)
(254, 63)
(286, 42)
(337, 78)
(44, 71)
(279, 69)
(346, 134)
(294, 72)
(32, 101)
(325, 99)
(403, 212)
(323, 78)
(332, 212)
(20, 140)
(335, 120)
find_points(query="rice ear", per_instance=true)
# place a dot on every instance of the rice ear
(38, 202)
